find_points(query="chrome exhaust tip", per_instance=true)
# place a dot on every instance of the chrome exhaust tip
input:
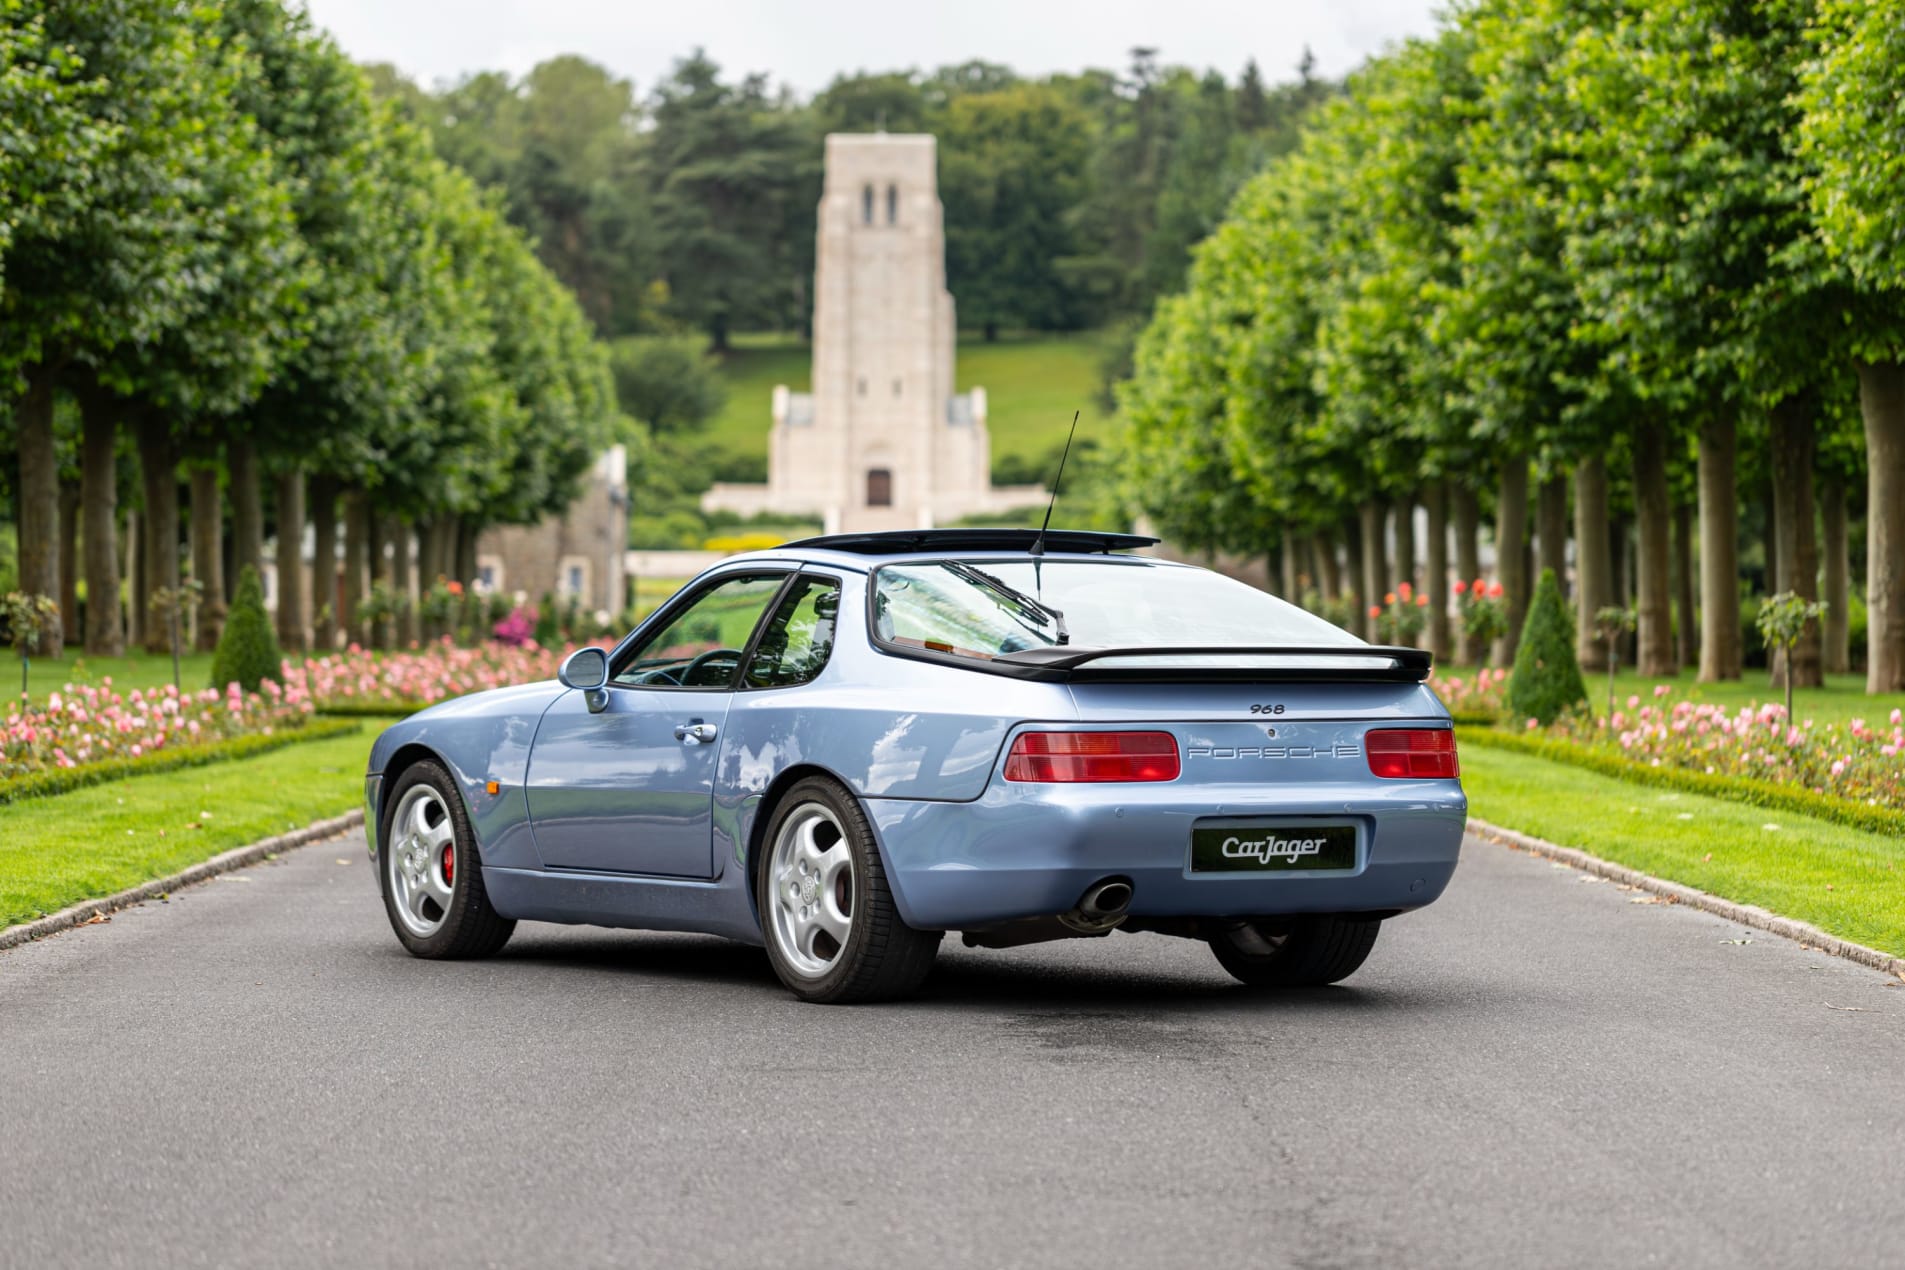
(1101, 908)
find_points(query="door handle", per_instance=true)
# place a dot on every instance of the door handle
(696, 733)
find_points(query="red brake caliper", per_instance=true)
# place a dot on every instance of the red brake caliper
(449, 863)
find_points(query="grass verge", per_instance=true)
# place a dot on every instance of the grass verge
(1768, 795)
(1846, 881)
(93, 842)
(64, 780)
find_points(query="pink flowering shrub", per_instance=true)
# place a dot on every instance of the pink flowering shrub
(1853, 760)
(91, 723)
(427, 674)
(1482, 692)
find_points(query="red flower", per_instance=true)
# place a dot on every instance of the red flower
(1375, 610)
(1461, 587)
(1494, 590)
(1390, 598)
(1405, 590)
(1422, 601)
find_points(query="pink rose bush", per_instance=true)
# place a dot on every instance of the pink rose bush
(89, 723)
(1854, 760)
(1482, 692)
(426, 674)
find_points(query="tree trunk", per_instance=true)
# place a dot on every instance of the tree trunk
(1594, 572)
(208, 555)
(159, 476)
(1286, 570)
(377, 633)
(99, 510)
(1686, 621)
(1721, 653)
(1404, 567)
(248, 514)
(291, 606)
(135, 582)
(357, 564)
(1468, 561)
(70, 633)
(1375, 568)
(467, 533)
(323, 500)
(1435, 582)
(1511, 552)
(1329, 579)
(1792, 442)
(1655, 523)
(1882, 402)
(1551, 529)
(1837, 561)
(404, 578)
(37, 499)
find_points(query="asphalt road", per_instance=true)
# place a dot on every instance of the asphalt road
(1535, 1071)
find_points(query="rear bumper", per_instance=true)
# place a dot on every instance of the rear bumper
(1030, 851)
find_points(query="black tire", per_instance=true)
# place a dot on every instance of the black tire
(469, 927)
(1295, 952)
(883, 958)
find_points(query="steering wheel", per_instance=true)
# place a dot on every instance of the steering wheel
(688, 671)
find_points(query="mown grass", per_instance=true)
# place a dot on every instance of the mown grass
(92, 842)
(128, 671)
(1032, 383)
(1846, 881)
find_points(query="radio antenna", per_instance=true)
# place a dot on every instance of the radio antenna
(1038, 543)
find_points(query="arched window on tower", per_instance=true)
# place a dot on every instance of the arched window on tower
(866, 206)
(892, 204)
(879, 487)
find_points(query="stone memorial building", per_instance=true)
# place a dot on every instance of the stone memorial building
(882, 441)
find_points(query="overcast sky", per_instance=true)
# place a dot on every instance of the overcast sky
(805, 43)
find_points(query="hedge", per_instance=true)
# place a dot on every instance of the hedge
(64, 780)
(370, 709)
(1740, 789)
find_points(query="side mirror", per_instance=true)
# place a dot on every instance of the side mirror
(587, 669)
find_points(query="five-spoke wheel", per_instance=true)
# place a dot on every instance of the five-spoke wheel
(432, 873)
(833, 931)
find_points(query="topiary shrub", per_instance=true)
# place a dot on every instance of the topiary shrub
(548, 628)
(1547, 679)
(248, 650)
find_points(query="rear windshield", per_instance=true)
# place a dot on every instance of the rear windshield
(987, 608)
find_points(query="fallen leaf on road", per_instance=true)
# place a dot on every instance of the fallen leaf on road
(343, 860)
(1644, 899)
(226, 877)
(1736, 941)
(96, 919)
(1847, 1009)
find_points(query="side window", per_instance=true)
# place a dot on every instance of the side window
(798, 639)
(701, 646)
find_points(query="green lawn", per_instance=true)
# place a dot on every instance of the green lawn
(132, 670)
(1032, 383)
(1845, 881)
(93, 842)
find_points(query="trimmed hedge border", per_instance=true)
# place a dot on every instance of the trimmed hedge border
(370, 709)
(1739, 789)
(64, 780)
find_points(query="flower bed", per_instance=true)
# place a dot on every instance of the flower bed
(1480, 696)
(356, 682)
(87, 724)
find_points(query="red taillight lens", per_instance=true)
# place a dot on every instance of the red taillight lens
(1412, 753)
(1093, 756)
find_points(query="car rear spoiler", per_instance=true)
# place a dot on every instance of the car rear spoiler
(1227, 663)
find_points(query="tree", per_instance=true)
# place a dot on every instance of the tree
(666, 384)
(1546, 681)
(247, 653)
(1848, 135)
(1011, 166)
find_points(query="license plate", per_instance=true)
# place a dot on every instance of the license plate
(1272, 848)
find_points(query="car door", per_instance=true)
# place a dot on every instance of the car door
(630, 789)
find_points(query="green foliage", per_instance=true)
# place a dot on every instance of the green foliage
(247, 652)
(548, 622)
(1546, 681)
(1782, 619)
(670, 385)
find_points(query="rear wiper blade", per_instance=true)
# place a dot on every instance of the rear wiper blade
(982, 578)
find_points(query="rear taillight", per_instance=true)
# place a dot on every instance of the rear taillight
(1092, 756)
(1412, 753)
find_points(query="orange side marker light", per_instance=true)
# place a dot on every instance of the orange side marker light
(493, 788)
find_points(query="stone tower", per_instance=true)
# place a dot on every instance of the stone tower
(882, 441)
